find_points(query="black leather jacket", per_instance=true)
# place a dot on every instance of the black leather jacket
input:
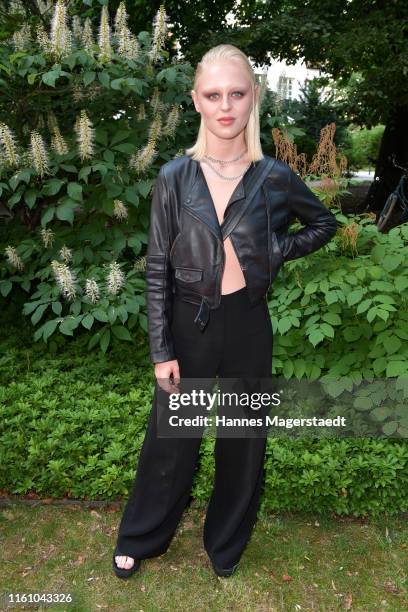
(185, 254)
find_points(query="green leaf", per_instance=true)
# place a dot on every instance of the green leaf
(75, 191)
(38, 313)
(143, 321)
(47, 215)
(363, 306)
(113, 190)
(89, 77)
(68, 324)
(332, 318)
(287, 369)
(392, 344)
(101, 168)
(144, 187)
(112, 314)
(372, 313)
(316, 336)
(50, 77)
(30, 196)
(121, 332)
(401, 283)
(311, 288)
(135, 244)
(100, 315)
(105, 339)
(15, 198)
(104, 79)
(52, 187)
(65, 212)
(131, 195)
(84, 173)
(88, 321)
(391, 262)
(101, 136)
(132, 305)
(397, 368)
(118, 136)
(135, 85)
(331, 297)
(56, 308)
(354, 296)
(117, 83)
(390, 427)
(109, 156)
(284, 325)
(363, 403)
(327, 330)
(378, 253)
(5, 287)
(126, 147)
(21, 175)
(69, 168)
(49, 327)
(379, 365)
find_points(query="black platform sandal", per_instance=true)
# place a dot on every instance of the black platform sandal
(122, 572)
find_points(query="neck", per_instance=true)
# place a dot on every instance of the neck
(222, 148)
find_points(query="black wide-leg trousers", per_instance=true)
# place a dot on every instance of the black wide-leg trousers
(237, 342)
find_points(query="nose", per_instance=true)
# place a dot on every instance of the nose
(225, 103)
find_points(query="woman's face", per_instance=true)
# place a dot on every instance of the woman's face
(224, 90)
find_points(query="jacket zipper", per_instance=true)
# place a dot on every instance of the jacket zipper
(220, 274)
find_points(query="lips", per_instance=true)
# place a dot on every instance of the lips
(226, 120)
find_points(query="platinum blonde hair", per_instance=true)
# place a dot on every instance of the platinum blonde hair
(252, 132)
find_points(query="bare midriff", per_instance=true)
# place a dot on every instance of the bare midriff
(221, 192)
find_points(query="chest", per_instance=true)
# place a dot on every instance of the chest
(221, 191)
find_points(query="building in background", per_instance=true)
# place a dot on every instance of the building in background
(287, 80)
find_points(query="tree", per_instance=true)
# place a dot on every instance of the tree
(362, 44)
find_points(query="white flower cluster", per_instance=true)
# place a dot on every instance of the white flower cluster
(85, 135)
(7, 146)
(14, 258)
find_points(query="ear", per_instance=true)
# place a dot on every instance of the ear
(195, 101)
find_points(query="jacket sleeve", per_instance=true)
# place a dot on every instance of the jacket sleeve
(320, 222)
(159, 276)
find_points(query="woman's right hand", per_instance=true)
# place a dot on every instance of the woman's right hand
(163, 371)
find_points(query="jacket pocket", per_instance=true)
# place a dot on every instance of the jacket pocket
(189, 275)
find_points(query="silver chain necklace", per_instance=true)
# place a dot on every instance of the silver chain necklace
(225, 161)
(228, 178)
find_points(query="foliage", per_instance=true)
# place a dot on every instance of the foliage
(361, 44)
(316, 108)
(88, 125)
(364, 146)
(73, 425)
(342, 318)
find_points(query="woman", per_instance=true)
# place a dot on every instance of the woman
(217, 238)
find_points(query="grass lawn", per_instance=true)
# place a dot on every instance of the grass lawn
(292, 562)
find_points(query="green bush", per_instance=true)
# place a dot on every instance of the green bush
(78, 157)
(73, 424)
(364, 147)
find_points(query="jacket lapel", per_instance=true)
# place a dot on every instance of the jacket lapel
(200, 203)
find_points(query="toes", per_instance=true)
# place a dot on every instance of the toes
(124, 562)
(129, 562)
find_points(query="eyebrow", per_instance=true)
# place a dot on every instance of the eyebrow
(216, 88)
